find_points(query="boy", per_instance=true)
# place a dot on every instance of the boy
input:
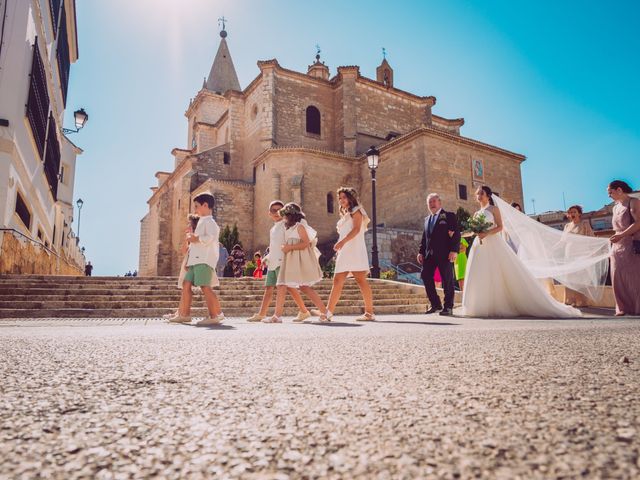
(201, 264)
(274, 260)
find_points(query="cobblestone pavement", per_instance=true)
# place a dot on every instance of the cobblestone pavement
(405, 397)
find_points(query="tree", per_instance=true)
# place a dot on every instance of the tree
(462, 216)
(229, 237)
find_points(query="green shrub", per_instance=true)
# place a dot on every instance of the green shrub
(328, 268)
(389, 275)
(249, 268)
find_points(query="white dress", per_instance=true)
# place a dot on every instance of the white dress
(499, 285)
(353, 256)
(300, 268)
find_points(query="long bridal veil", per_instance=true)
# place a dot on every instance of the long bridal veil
(577, 261)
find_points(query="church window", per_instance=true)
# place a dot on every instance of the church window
(313, 120)
(329, 202)
(254, 112)
(226, 158)
(462, 192)
(23, 211)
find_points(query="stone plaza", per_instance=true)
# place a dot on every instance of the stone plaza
(409, 396)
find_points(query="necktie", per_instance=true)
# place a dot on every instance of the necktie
(432, 222)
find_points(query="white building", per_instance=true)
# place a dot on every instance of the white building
(37, 161)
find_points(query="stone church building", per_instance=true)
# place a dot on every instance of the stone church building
(298, 137)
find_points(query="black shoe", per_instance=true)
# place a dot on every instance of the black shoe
(446, 312)
(433, 310)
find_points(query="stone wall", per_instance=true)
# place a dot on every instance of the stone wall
(304, 177)
(380, 112)
(412, 168)
(395, 245)
(292, 97)
(19, 255)
(233, 205)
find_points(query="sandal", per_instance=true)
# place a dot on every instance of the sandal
(273, 319)
(366, 317)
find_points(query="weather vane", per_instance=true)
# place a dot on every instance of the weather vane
(223, 21)
(384, 53)
(318, 49)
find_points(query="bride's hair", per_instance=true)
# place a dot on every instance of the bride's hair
(489, 193)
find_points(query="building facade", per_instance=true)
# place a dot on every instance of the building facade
(37, 161)
(298, 137)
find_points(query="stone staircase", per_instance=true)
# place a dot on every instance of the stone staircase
(41, 296)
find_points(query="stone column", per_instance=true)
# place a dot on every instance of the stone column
(275, 185)
(349, 116)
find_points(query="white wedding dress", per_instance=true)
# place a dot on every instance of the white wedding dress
(498, 284)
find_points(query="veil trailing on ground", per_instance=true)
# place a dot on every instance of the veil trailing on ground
(576, 261)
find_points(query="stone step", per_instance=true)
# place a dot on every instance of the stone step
(127, 304)
(196, 312)
(175, 296)
(88, 290)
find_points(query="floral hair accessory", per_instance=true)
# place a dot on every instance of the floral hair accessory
(289, 209)
(349, 190)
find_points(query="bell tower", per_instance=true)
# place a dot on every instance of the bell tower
(384, 72)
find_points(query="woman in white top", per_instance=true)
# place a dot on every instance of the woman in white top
(351, 252)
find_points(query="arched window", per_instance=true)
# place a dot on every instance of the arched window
(330, 202)
(313, 120)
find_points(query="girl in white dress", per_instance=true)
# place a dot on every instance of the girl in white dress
(351, 256)
(300, 268)
(497, 283)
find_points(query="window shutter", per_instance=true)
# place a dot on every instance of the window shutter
(38, 100)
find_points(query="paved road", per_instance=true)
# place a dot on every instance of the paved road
(405, 397)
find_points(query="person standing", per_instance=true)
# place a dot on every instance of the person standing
(239, 260)
(460, 265)
(88, 268)
(438, 249)
(498, 284)
(351, 257)
(222, 260)
(576, 226)
(625, 254)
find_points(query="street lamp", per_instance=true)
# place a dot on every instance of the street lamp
(373, 158)
(80, 117)
(79, 203)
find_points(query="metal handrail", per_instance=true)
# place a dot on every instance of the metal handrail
(37, 242)
(401, 272)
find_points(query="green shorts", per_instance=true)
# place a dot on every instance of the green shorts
(199, 275)
(272, 277)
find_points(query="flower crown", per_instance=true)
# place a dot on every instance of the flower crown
(349, 190)
(289, 210)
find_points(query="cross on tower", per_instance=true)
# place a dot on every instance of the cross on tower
(318, 49)
(223, 21)
(384, 53)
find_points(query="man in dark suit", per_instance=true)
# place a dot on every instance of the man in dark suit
(439, 246)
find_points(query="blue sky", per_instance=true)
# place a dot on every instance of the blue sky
(556, 81)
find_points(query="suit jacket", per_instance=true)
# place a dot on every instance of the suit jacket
(438, 243)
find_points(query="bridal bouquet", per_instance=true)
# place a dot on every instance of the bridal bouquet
(477, 224)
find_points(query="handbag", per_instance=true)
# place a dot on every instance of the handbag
(634, 243)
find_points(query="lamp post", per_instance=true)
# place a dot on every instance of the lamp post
(373, 157)
(80, 117)
(79, 203)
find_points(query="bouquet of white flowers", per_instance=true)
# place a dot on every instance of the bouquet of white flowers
(477, 224)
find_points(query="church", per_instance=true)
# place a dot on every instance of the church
(298, 137)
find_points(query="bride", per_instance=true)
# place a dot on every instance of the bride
(498, 283)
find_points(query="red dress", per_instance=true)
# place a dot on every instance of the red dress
(257, 273)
